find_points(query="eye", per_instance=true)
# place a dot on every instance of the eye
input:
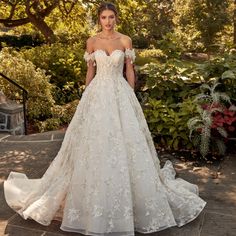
(112, 17)
(103, 17)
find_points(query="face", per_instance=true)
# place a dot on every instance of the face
(107, 19)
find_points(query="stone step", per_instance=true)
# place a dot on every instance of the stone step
(17, 226)
(57, 135)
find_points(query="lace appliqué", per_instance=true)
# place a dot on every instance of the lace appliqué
(130, 53)
(88, 57)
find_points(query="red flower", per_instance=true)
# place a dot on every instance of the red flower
(224, 118)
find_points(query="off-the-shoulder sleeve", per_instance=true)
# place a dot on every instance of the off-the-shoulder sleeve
(89, 56)
(130, 53)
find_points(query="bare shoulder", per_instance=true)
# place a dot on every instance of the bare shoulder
(126, 40)
(90, 43)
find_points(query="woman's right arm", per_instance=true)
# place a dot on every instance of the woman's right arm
(91, 68)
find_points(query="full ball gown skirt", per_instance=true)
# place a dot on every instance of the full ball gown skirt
(106, 177)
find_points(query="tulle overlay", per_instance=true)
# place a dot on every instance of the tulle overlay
(106, 176)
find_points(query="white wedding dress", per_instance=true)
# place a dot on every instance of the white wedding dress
(106, 178)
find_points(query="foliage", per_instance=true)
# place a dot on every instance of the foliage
(177, 80)
(182, 25)
(168, 124)
(223, 69)
(174, 80)
(170, 44)
(70, 26)
(213, 120)
(20, 41)
(65, 112)
(33, 79)
(167, 99)
(61, 115)
(48, 124)
(169, 91)
(198, 22)
(153, 53)
(64, 64)
(23, 12)
(20, 13)
(42, 111)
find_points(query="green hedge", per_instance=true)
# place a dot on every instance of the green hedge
(42, 112)
(20, 41)
(65, 65)
(33, 79)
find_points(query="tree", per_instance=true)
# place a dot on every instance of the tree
(200, 21)
(20, 12)
(142, 20)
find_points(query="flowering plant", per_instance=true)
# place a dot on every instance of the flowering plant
(224, 117)
(216, 120)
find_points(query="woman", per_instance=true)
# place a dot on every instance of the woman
(106, 177)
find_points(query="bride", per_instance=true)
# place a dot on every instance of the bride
(106, 177)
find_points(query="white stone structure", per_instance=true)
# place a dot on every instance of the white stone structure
(11, 116)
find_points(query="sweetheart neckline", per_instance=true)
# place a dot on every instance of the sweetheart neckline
(108, 55)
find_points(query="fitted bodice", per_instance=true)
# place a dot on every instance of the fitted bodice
(109, 65)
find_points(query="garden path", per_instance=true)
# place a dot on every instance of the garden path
(32, 154)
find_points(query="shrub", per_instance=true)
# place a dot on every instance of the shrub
(168, 124)
(140, 42)
(48, 125)
(173, 80)
(213, 122)
(65, 112)
(170, 45)
(20, 41)
(61, 115)
(153, 53)
(222, 68)
(33, 79)
(168, 97)
(65, 65)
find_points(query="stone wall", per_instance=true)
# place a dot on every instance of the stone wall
(12, 118)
